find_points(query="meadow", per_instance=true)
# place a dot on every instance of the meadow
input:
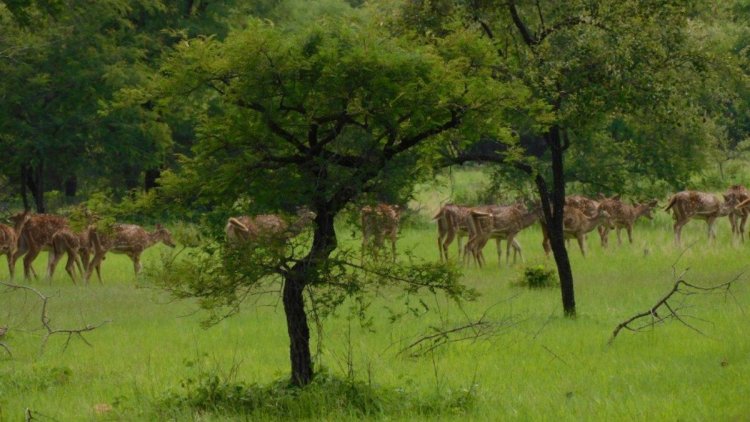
(537, 365)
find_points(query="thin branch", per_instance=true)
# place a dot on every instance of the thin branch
(45, 320)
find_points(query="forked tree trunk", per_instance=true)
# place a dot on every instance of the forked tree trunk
(324, 242)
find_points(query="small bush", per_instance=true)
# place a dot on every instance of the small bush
(538, 277)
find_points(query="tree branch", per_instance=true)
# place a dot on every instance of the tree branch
(45, 320)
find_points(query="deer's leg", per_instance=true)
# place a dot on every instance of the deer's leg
(517, 249)
(52, 259)
(95, 264)
(603, 235)
(711, 228)
(70, 266)
(136, 263)
(449, 236)
(27, 260)
(678, 224)
(11, 263)
(458, 239)
(581, 244)
(743, 220)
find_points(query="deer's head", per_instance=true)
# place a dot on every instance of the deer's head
(163, 235)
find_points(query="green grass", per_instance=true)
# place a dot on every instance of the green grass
(542, 366)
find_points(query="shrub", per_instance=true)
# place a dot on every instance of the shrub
(538, 277)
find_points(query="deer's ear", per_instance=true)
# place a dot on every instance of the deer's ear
(602, 196)
(158, 226)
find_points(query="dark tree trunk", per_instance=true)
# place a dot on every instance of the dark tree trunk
(299, 331)
(24, 192)
(34, 180)
(553, 215)
(324, 242)
(150, 179)
(71, 186)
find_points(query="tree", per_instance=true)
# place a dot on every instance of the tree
(322, 117)
(594, 64)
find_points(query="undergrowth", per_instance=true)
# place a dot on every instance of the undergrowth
(327, 396)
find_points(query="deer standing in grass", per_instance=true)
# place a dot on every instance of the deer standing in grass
(128, 239)
(252, 228)
(500, 223)
(455, 222)
(623, 216)
(575, 225)
(379, 222)
(738, 218)
(36, 236)
(687, 205)
(77, 246)
(9, 239)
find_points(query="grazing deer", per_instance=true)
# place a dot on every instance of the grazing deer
(700, 205)
(575, 225)
(9, 239)
(378, 223)
(65, 241)
(128, 239)
(738, 218)
(36, 236)
(623, 216)
(500, 223)
(246, 228)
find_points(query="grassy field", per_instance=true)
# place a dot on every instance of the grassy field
(540, 366)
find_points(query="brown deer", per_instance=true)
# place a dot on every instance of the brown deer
(36, 236)
(455, 222)
(700, 205)
(128, 239)
(738, 218)
(451, 224)
(575, 225)
(9, 239)
(500, 223)
(379, 222)
(65, 241)
(623, 216)
(249, 228)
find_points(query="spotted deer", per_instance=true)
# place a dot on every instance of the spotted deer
(454, 222)
(687, 205)
(575, 226)
(623, 216)
(738, 218)
(249, 228)
(9, 239)
(502, 223)
(36, 236)
(379, 222)
(128, 239)
(66, 242)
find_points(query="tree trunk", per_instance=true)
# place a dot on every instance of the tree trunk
(34, 179)
(324, 242)
(24, 193)
(553, 214)
(299, 332)
(71, 186)
(150, 179)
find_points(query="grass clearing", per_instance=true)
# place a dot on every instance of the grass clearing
(542, 367)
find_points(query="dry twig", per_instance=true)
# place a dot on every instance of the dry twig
(665, 308)
(45, 319)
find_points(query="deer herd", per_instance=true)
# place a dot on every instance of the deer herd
(29, 234)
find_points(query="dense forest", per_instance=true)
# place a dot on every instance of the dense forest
(648, 94)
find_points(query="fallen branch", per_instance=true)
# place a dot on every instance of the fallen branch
(664, 310)
(45, 319)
